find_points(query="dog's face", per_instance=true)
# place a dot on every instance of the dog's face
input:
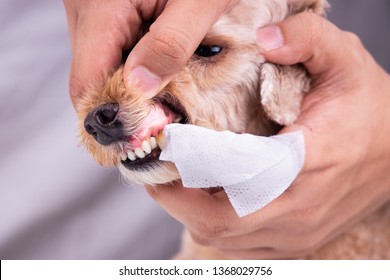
(219, 88)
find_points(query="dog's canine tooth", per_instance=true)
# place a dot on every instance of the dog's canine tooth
(139, 152)
(153, 143)
(146, 147)
(131, 155)
(161, 140)
(177, 120)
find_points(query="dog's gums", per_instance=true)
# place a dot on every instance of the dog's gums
(147, 141)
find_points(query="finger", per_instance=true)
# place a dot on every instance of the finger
(304, 38)
(212, 215)
(101, 35)
(276, 237)
(197, 209)
(327, 53)
(71, 16)
(264, 238)
(171, 41)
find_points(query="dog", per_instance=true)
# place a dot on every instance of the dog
(226, 85)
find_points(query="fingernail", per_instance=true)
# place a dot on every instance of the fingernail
(270, 38)
(143, 80)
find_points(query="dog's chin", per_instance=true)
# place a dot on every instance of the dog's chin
(153, 173)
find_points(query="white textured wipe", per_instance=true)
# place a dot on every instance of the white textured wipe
(253, 170)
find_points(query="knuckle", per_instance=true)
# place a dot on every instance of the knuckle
(311, 27)
(171, 46)
(356, 50)
(356, 46)
(353, 39)
(317, 28)
(307, 31)
(210, 228)
(200, 240)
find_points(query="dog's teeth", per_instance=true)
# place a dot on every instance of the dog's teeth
(161, 140)
(139, 152)
(131, 155)
(153, 143)
(146, 147)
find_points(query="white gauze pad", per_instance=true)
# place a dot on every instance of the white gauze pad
(253, 170)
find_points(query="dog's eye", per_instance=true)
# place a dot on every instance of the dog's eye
(208, 51)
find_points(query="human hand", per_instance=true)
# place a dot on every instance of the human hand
(101, 30)
(346, 123)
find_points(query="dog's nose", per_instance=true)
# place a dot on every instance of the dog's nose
(103, 123)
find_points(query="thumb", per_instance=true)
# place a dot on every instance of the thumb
(330, 55)
(305, 38)
(326, 52)
(170, 42)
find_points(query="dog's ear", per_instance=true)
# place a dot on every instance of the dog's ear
(316, 6)
(283, 87)
(281, 91)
